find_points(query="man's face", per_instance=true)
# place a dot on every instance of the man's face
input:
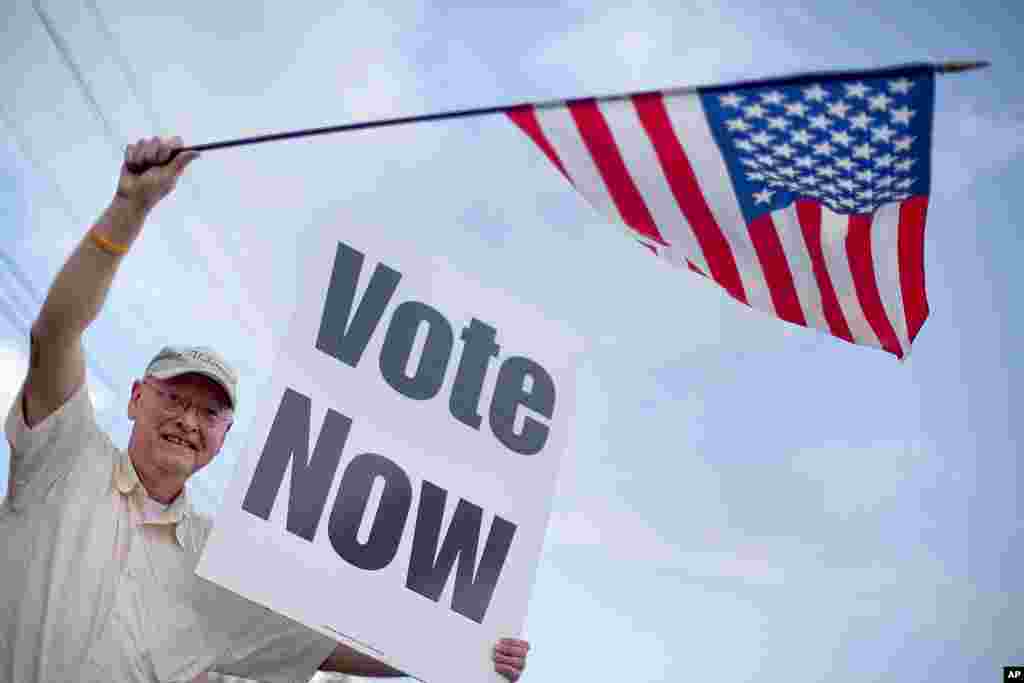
(180, 424)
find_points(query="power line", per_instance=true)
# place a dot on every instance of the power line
(65, 53)
(146, 101)
(64, 49)
(126, 69)
(25, 148)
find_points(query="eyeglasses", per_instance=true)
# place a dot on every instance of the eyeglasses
(210, 415)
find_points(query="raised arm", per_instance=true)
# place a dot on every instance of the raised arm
(56, 361)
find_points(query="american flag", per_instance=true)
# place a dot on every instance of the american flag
(803, 196)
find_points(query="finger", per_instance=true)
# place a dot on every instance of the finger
(508, 672)
(516, 662)
(137, 151)
(184, 159)
(164, 150)
(514, 641)
(512, 649)
(150, 148)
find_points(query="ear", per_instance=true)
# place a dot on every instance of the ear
(133, 401)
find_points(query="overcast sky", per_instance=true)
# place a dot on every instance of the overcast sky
(743, 498)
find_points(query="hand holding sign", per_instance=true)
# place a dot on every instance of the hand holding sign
(510, 657)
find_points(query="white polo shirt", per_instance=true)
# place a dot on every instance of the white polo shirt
(98, 586)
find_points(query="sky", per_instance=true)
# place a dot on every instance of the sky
(742, 498)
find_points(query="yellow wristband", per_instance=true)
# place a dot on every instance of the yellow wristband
(108, 246)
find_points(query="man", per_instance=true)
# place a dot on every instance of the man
(96, 579)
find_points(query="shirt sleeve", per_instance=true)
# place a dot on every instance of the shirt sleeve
(44, 454)
(271, 648)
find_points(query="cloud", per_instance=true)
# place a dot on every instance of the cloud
(971, 143)
(639, 47)
(860, 479)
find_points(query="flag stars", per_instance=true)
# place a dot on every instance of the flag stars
(839, 109)
(801, 137)
(732, 99)
(785, 150)
(905, 183)
(842, 138)
(819, 122)
(796, 109)
(882, 134)
(738, 125)
(903, 143)
(879, 102)
(866, 176)
(902, 115)
(860, 121)
(885, 161)
(815, 93)
(847, 145)
(845, 163)
(754, 111)
(746, 146)
(900, 86)
(864, 151)
(857, 89)
(824, 148)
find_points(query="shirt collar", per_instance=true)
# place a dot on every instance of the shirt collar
(179, 513)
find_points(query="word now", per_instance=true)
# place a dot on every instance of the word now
(288, 442)
(521, 381)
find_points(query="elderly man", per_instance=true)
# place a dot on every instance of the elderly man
(97, 578)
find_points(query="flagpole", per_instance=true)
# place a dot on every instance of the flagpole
(947, 67)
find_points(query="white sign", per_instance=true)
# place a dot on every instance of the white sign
(398, 479)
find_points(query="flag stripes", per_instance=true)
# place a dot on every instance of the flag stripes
(526, 119)
(776, 270)
(809, 216)
(676, 169)
(858, 251)
(604, 151)
(693, 132)
(798, 256)
(911, 255)
(652, 162)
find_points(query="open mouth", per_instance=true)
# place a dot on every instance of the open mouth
(178, 441)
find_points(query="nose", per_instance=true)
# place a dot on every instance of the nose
(189, 418)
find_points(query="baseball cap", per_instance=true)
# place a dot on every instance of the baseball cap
(180, 360)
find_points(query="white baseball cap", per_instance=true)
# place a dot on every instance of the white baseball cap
(180, 360)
